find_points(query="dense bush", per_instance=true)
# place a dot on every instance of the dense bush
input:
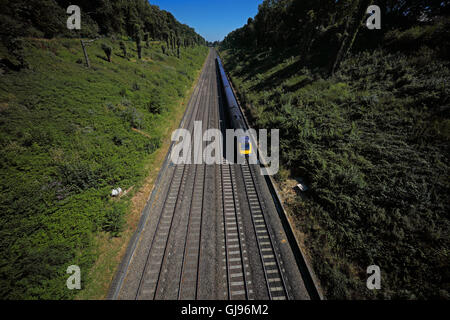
(364, 121)
(66, 141)
(107, 50)
(156, 102)
(123, 47)
(372, 145)
(113, 221)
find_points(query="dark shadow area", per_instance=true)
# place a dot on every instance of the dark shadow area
(100, 57)
(278, 77)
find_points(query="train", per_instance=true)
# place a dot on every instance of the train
(235, 115)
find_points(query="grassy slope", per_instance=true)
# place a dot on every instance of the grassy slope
(372, 144)
(67, 140)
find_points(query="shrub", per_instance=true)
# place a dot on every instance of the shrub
(136, 86)
(123, 47)
(133, 116)
(15, 48)
(125, 102)
(138, 39)
(153, 145)
(77, 175)
(367, 143)
(113, 221)
(147, 39)
(123, 92)
(155, 105)
(108, 51)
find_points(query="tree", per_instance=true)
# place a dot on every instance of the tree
(108, 51)
(138, 39)
(47, 18)
(147, 40)
(178, 48)
(355, 9)
(123, 47)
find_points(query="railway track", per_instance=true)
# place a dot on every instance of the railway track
(272, 265)
(189, 275)
(239, 287)
(209, 233)
(158, 249)
(157, 256)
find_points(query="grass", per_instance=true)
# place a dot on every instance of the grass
(67, 140)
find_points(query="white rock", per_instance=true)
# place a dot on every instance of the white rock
(116, 192)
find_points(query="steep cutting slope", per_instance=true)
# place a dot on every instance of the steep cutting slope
(372, 144)
(69, 135)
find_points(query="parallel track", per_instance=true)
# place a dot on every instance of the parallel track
(271, 263)
(152, 270)
(157, 254)
(188, 285)
(235, 246)
(244, 249)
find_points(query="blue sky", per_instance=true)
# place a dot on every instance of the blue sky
(213, 19)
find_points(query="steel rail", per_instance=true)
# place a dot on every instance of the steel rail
(118, 280)
(307, 272)
(194, 214)
(259, 221)
(158, 227)
(237, 284)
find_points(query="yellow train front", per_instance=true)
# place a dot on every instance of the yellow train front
(245, 146)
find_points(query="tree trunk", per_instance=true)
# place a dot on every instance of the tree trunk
(359, 9)
(85, 54)
(340, 53)
(363, 8)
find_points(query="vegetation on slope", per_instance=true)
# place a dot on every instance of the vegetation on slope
(70, 134)
(370, 139)
(67, 140)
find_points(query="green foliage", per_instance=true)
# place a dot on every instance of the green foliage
(138, 38)
(77, 176)
(432, 35)
(147, 39)
(156, 102)
(108, 51)
(133, 116)
(14, 58)
(324, 32)
(123, 47)
(372, 145)
(136, 86)
(47, 18)
(363, 118)
(66, 141)
(113, 221)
